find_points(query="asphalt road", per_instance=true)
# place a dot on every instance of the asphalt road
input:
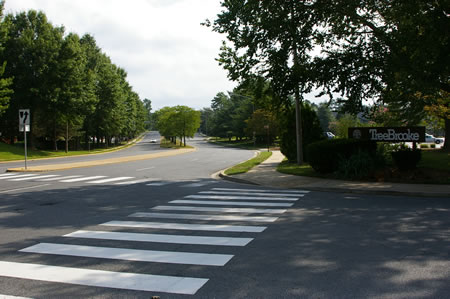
(131, 220)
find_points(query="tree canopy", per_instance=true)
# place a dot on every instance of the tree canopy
(71, 87)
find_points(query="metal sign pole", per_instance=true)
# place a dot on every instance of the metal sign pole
(25, 139)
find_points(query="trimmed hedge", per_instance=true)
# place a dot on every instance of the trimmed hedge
(406, 159)
(324, 156)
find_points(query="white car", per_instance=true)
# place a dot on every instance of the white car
(431, 139)
(153, 141)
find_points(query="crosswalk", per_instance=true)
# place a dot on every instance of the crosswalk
(97, 180)
(197, 224)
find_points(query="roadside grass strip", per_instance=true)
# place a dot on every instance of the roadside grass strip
(249, 164)
(205, 217)
(161, 238)
(106, 279)
(171, 257)
(222, 210)
(181, 226)
(259, 190)
(232, 203)
(225, 197)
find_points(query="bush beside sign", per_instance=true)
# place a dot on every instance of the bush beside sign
(388, 134)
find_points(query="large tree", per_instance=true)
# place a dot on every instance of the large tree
(271, 39)
(395, 52)
(5, 83)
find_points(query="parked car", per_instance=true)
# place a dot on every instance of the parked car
(431, 139)
(329, 135)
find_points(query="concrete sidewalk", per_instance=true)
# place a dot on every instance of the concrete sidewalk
(265, 174)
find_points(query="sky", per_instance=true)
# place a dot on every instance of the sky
(168, 55)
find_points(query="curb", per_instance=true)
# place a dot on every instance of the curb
(336, 190)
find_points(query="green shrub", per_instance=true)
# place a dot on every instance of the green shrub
(423, 145)
(324, 156)
(312, 131)
(433, 145)
(359, 165)
(406, 159)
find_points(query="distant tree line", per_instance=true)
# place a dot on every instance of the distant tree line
(178, 121)
(74, 91)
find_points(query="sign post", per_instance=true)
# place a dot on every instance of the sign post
(24, 126)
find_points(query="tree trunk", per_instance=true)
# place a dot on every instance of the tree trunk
(446, 146)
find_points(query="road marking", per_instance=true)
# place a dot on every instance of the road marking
(34, 177)
(60, 178)
(258, 190)
(183, 226)
(111, 180)
(25, 188)
(142, 169)
(12, 297)
(134, 182)
(106, 279)
(205, 217)
(158, 184)
(83, 179)
(232, 203)
(223, 210)
(171, 257)
(8, 174)
(161, 238)
(250, 193)
(226, 197)
(17, 176)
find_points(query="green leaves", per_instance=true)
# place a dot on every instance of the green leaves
(71, 87)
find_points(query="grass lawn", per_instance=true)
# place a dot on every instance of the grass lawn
(247, 165)
(436, 159)
(17, 152)
(295, 169)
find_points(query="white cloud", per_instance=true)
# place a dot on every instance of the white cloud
(168, 56)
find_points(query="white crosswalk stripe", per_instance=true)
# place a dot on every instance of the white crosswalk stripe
(204, 217)
(33, 178)
(217, 206)
(232, 203)
(60, 178)
(161, 238)
(111, 180)
(83, 179)
(235, 197)
(204, 259)
(106, 279)
(134, 182)
(223, 210)
(263, 191)
(249, 193)
(8, 174)
(184, 226)
(18, 176)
